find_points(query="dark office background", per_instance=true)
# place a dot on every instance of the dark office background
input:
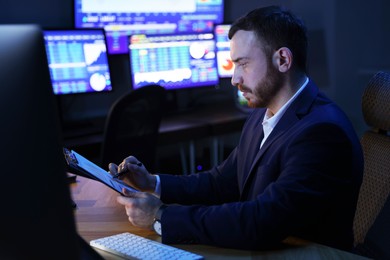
(348, 42)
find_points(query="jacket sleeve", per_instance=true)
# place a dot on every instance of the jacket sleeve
(207, 188)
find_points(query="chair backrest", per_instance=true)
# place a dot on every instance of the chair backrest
(132, 126)
(375, 187)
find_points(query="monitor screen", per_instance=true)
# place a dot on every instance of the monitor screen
(225, 64)
(78, 61)
(37, 218)
(124, 18)
(173, 61)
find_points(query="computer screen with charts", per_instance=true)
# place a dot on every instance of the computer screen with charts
(121, 18)
(225, 64)
(175, 61)
(78, 61)
(37, 220)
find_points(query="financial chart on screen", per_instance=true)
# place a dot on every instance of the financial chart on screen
(173, 61)
(122, 18)
(78, 61)
(225, 64)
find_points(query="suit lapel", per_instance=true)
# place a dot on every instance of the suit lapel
(254, 147)
(275, 134)
(250, 144)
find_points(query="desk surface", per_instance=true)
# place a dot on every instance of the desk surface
(99, 215)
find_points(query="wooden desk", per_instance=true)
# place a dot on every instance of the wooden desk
(99, 215)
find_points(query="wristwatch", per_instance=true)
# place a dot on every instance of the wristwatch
(157, 219)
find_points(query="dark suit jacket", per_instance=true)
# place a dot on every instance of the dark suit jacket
(303, 182)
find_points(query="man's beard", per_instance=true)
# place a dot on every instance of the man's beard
(267, 88)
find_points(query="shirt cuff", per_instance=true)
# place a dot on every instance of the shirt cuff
(157, 190)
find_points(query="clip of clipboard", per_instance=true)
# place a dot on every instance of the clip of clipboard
(79, 165)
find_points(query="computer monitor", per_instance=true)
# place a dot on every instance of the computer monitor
(175, 61)
(37, 219)
(78, 61)
(124, 18)
(225, 64)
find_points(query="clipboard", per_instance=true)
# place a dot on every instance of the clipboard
(79, 165)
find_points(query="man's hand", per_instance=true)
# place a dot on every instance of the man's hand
(134, 173)
(141, 207)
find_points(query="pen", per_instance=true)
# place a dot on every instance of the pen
(139, 164)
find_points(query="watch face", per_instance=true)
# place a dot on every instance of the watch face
(157, 227)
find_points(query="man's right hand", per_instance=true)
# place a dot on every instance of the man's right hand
(134, 173)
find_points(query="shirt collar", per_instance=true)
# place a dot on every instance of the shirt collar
(271, 121)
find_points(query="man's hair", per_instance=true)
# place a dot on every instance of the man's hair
(276, 27)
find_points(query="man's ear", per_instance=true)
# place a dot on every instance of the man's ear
(282, 59)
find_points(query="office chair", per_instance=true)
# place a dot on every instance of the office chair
(375, 142)
(132, 127)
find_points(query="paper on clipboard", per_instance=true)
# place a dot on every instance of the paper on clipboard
(80, 163)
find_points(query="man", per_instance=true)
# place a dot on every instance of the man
(296, 170)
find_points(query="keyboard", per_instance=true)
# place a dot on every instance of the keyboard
(132, 246)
